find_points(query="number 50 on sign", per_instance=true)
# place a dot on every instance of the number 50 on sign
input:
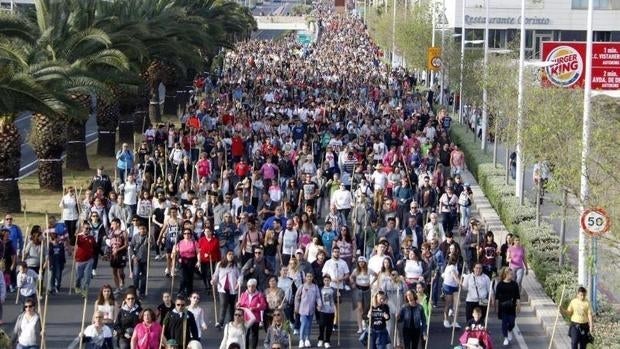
(595, 222)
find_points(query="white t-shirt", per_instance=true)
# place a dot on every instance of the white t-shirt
(481, 283)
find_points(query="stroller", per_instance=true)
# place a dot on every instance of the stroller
(475, 339)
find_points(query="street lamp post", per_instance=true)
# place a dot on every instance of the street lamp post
(462, 61)
(485, 114)
(585, 153)
(393, 34)
(519, 146)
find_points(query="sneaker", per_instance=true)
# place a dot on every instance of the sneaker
(456, 325)
(359, 331)
(218, 325)
(94, 272)
(347, 288)
(77, 290)
(301, 344)
(446, 324)
(295, 332)
(261, 324)
(506, 342)
(319, 344)
(509, 336)
(157, 257)
(450, 312)
(11, 289)
(327, 345)
(307, 343)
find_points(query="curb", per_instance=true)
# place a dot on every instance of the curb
(543, 307)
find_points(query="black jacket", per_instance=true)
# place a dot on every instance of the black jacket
(173, 327)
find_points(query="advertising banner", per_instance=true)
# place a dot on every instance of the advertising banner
(570, 59)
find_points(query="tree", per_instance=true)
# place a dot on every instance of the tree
(20, 89)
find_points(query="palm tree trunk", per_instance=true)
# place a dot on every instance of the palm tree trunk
(10, 156)
(77, 159)
(48, 138)
(154, 109)
(107, 121)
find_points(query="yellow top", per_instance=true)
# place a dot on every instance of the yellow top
(579, 311)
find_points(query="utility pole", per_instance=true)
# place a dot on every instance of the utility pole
(462, 61)
(485, 112)
(519, 147)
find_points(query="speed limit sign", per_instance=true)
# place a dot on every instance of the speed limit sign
(595, 222)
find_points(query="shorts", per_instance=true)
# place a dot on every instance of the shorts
(449, 290)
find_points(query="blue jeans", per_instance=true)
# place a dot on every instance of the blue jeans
(436, 288)
(519, 272)
(139, 276)
(304, 329)
(508, 323)
(19, 346)
(83, 274)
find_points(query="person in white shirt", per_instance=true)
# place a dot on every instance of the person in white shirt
(434, 230)
(337, 269)
(478, 287)
(378, 150)
(343, 200)
(379, 181)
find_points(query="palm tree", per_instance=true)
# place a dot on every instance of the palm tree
(20, 90)
(83, 52)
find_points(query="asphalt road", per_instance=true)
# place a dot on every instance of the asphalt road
(274, 8)
(29, 159)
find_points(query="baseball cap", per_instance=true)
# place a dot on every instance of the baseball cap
(361, 259)
(299, 250)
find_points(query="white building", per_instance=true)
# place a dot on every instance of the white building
(545, 20)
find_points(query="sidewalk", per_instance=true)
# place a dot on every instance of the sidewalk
(551, 212)
(535, 322)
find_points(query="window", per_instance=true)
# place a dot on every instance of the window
(601, 36)
(598, 4)
(497, 38)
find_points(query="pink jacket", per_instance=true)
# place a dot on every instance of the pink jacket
(257, 304)
(147, 337)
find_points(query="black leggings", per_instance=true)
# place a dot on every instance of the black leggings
(71, 228)
(186, 285)
(412, 337)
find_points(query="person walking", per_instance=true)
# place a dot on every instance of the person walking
(147, 333)
(226, 278)
(180, 324)
(84, 257)
(126, 320)
(235, 331)
(278, 333)
(379, 315)
(254, 301)
(517, 259)
(307, 300)
(507, 297)
(138, 249)
(413, 319)
(478, 287)
(27, 333)
(187, 252)
(581, 324)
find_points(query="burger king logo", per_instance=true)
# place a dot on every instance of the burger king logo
(567, 67)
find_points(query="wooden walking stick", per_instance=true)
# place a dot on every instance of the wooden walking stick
(173, 269)
(41, 254)
(184, 342)
(430, 312)
(456, 306)
(83, 319)
(44, 322)
(557, 316)
(148, 253)
(486, 316)
(213, 291)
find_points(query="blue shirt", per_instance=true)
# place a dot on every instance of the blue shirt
(16, 237)
(124, 160)
(328, 238)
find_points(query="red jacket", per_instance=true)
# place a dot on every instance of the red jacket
(209, 249)
(86, 248)
(237, 147)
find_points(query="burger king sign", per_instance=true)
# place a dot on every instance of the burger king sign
(568, 65)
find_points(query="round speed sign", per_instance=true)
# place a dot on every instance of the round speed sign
(595, 222)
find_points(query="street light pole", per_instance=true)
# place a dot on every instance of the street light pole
(434, 25)
(519, 146)
(462, 61)
(485, 113)
(443, 31)
(585, 154)
(393, 33)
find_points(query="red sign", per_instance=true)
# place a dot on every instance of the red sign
(570, 60)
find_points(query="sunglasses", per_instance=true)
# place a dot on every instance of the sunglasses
(258, 252)
(238, 314)
(180, 304)
(130, 298)
(28, 306)
(277, 315)
(9, 219)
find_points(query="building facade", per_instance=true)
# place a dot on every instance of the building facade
(545, 20)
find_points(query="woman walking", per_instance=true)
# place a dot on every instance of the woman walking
(70, 213)
(253, 301)
(307, 299)
(147, 334)
(517, 260)
(235, 331)
(379, 315)
(507, 298)
(106, 305)
(478, 286)
(413, 319)
(360, 282)
(187, 252)
(27, 331)
(226, 279)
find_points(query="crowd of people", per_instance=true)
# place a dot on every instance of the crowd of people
(300, 177)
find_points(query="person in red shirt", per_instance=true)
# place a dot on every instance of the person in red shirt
(237, 148)
(84, 258)
(209, 247)
(242, 169)
(203, 167)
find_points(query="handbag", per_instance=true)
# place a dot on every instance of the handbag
(481, 302)
(364, 337)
